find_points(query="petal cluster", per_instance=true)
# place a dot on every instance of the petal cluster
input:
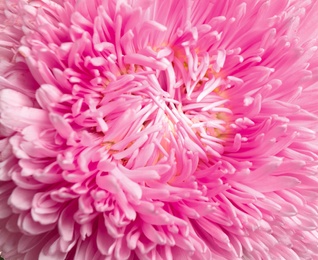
(158, 129)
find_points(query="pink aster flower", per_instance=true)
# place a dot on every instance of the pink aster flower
(158, 129)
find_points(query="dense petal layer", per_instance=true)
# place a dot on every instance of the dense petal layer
(158, 129)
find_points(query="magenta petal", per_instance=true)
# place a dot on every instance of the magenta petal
(48, 95)
(21, 199)
(61, 125)
(66, 224)
(109, 183)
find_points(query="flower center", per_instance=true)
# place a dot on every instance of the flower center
(163, 106)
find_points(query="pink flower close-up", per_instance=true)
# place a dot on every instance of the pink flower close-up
(159, 129)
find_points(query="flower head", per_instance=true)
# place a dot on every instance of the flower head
(158, 129)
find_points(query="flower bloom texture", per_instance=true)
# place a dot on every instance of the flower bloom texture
(158, 129)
